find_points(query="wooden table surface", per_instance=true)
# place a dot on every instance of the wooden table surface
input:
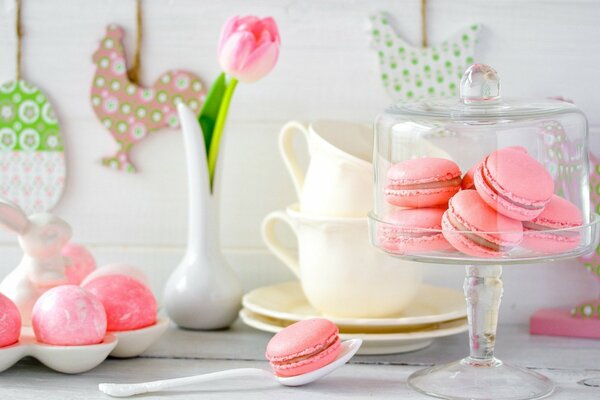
(181, 353)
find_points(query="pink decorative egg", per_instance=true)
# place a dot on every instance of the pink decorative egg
(69, 315)
(118, 269)
(82, 262)
(10, 322)
(129, 304)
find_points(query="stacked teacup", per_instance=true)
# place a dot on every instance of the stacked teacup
(341, 274)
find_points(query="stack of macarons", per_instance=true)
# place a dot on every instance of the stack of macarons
(115, 298)
(504, 201)
(419, 190)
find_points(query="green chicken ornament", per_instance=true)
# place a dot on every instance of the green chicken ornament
(415, 73)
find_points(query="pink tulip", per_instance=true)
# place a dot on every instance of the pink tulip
(248, 47)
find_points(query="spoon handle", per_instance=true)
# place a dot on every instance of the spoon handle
(126, 390)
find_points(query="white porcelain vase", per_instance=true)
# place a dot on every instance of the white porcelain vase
(203, 293)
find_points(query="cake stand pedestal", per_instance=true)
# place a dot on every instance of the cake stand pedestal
(481, 375)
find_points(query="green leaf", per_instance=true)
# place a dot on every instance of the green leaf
(210, 109)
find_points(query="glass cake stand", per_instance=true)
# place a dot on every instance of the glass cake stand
(467, 131)
(481, 375)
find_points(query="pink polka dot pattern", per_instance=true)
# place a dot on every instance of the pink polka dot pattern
(131, 112)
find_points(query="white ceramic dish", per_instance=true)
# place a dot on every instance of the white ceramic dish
(78, 359)
(373, 343)
(66, 359)
(286, 301)
(134, 343)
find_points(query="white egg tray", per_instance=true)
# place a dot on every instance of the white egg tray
(78, 359)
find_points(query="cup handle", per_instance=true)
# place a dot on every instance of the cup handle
(273, 244)
(286, 148)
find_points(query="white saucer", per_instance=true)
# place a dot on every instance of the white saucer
(286, 301)
(373, 343)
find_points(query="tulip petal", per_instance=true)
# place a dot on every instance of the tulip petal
(265, 37)
(235, 51)
(270, 25)
(228, 28)
(259, 63)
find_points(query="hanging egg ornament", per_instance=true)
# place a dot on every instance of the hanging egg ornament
(32, 160)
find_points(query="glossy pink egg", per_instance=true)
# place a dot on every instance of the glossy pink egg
(129, 304)
(82, 262)
(10, 322)
(69, 315)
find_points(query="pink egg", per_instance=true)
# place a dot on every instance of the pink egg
(10, 322)
(69, 315)
(82, 262)
(129, 304)
(118, 269)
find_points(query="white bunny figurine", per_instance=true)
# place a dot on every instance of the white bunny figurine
(42, 237)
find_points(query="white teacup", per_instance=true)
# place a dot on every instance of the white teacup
(339, 178)
(341, 274)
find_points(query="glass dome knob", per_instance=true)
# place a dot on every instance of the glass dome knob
(480, 83)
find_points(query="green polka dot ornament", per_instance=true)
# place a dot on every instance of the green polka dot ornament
(32, 160)
(414, 73)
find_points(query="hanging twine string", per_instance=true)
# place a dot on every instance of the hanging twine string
(135, 71)
(424, 23)
(18, 34)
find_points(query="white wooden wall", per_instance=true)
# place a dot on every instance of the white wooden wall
(326, 70)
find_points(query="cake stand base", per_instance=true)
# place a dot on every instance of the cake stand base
(470, 379)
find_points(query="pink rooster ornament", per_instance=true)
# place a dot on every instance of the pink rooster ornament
(129, 111)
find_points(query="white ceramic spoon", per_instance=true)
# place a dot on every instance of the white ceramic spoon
(349, 348)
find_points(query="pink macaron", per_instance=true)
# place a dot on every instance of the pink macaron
(129, 304)
(10, 322)
(68, 315)
(413, 230)
(514, 184)
(303, 347)
(559, 214)
(422, 182)
(468, 181)
(476, 229)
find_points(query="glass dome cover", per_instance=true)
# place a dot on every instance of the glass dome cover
(480, 98)
(468, 131)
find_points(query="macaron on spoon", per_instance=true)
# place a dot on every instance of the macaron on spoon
(310, 356)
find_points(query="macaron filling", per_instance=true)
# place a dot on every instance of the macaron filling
(413, 233)
(455, 182)
(529, 225)
(464, 231)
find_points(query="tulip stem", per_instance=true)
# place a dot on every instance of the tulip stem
(213, 152)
